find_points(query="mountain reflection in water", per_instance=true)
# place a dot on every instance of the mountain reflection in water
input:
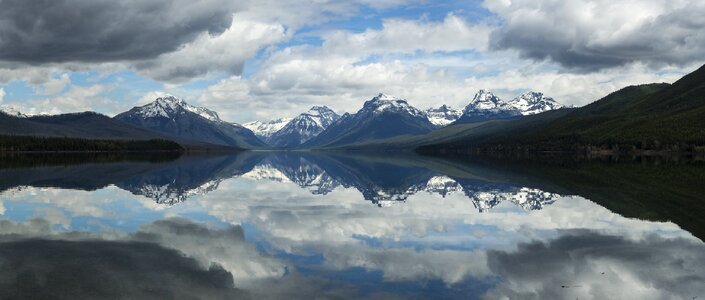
(300, 225)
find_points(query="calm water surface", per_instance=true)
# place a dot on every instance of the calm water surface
(334, 226)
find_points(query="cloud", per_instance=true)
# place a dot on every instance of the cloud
(75, 99)
(341, 73)
(591, 35)
(298, 13)
(38, 268)
(38, 32)
(2, 95)
(55, 85)
(597, 266)
(209, 248)
(225, 52)
(453, 33)
(226, 248)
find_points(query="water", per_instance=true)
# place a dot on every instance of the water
(293, 225)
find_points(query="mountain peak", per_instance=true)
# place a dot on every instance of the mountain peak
(265, 129)
(485, 100)
(11, 111)
(303, 127)
(443, 115)
(167, 106)
(531, 103)
(317, 110)
(385, 97)
(386, 103)
(532, 94)
(321, 115)
(172, 116)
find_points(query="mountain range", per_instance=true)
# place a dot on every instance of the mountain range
(486, 106)
(169, 117)
(386, 116)
(636, 117)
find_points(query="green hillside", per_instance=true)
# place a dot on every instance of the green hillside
(657, 117)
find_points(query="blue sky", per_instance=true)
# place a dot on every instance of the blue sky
(257, 60)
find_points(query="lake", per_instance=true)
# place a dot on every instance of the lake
(304, 225)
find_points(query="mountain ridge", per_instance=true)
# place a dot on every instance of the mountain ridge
(380, 117)
(174, 117)
(303, 127)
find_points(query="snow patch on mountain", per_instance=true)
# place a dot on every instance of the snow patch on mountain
(485, 100)
(304, 127)
(11, 111)
(168, 106)
(442, 185)
(170, 194)
(322, 115)
(266, 172)
(443, 115)
(527, 198)
(265, 129)
(386, 103)
(531, 103)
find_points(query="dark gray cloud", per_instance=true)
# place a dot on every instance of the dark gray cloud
(52, 269)
(45, 31)
(595, 266)
(589, 36)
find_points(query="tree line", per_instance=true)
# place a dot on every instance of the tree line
(11, 143)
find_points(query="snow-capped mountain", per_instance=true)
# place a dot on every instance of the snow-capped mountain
(303, 173)
(265, 129)
(526, 198)
(173, 116)
(170, 106)
(486, 100)
(383, 103)
(531, 103)
(443, 115)
(486, 106)
(442, 185)
(381, 117)
(170, 194)
(11, 111)
(304, 127)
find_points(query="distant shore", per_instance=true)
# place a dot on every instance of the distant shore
(38, 144)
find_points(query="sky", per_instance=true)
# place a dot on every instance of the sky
(264, 59)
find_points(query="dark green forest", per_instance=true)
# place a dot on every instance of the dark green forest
(9, 143)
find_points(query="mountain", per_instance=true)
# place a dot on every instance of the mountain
(527, 198)
(381, 117)
(443, 115)
(264, 129)
(10, 111)
(486, 106)
(531, 103)
(85, 125)
(646, 117)
(304, 127)
(174, 117)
